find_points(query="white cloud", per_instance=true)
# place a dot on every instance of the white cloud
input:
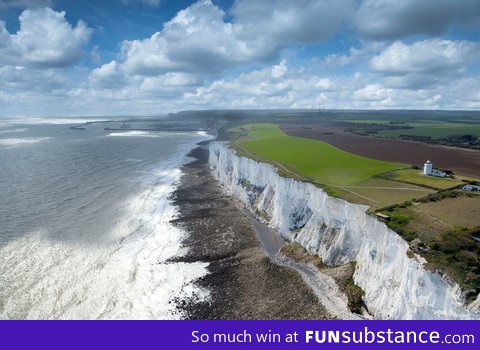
(415, 81)
(170, 85)
(270, 25)
(466, 91)
(177, 79)
(427, 56)
(345, 59)
(279, 70)
(262, 88)
(204, 59)
(107, 76)
(198, 39)
(45, 39)
(425, 63)
(18, 79)
(394, 19)
(373, 92)
(265, 88)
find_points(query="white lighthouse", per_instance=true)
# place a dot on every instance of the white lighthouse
(427, 168)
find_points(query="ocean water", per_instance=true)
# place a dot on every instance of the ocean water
(84, 222)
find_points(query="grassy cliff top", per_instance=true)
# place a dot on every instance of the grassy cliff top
(439, 223)
(315, 160)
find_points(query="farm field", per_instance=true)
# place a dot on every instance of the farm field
(461, 161)
(432, 219)
(466, 213)
(419, 127)
(316, 160)
(379, 193)
(434, 130)
(414, 176)
(441, 228)
(341, 174)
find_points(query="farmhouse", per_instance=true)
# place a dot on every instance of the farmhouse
(430, 171)
(471, 188)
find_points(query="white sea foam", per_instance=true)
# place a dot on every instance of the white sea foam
(135, 133)
(10, 142)
(126, 280)
(13, 131)
(133, 160)
(154, 133)
(127, 275)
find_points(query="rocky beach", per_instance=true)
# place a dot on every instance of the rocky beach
(243, 282)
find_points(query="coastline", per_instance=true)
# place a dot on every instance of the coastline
(243, 282)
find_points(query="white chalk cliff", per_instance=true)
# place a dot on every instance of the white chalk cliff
(396, 284)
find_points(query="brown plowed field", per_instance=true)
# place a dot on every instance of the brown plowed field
(461, 161)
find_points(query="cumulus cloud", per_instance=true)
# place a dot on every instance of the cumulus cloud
(199, 43)
(466, 91)
(199, 39)
(45, 39)
(279, 70)
(169, 86)
(277, 86)
(374, 92)
(428, 56)
(196, 40)
(337, 59)
(424, 62)
(18, 79)
(107, 76)
(377, 96)
(270, 25)
(206, 58)
(394, 19)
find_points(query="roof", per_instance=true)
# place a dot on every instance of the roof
(383, 216)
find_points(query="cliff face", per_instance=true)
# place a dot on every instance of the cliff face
(396, 284)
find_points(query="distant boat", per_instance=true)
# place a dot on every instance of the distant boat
(125, 126)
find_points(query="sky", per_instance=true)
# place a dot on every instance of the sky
(151, 57)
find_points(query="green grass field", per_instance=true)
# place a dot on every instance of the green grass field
(379, 193)
(437, 224)
(318, 161)
(415, 177)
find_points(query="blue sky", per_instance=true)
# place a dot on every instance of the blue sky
(150, 57)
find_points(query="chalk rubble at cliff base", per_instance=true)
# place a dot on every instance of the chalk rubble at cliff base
(397, 285)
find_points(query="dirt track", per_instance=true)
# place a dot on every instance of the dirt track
(461, 161)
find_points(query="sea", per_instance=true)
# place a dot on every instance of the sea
(85, 216)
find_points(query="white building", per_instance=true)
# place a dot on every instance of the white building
(429, 171)
(438, 173)
(427, 168)
(471, 188)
